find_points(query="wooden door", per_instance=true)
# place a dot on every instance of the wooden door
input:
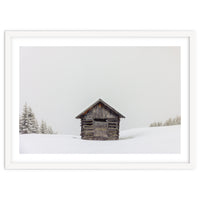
(100, 130)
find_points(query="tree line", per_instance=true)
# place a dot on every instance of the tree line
(29, 124)
(169, 122)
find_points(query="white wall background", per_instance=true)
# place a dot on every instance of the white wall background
(105, 14)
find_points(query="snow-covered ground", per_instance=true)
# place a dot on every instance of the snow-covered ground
(140, 140)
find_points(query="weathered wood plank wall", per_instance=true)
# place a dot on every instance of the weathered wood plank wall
(100, 123)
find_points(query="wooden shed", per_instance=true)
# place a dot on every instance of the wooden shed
(100, 122)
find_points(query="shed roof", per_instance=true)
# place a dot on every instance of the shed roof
(94, 104)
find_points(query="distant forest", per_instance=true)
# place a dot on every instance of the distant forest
(29, 124)
(169, 122)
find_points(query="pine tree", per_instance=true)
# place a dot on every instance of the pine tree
(33, 125)
(28, 123)
(37, 127)
(20, 124)
(50, 130)
(43, 128)
(169, 122)
(24, 120)
(178, 120)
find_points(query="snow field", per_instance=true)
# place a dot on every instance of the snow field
(152, 140)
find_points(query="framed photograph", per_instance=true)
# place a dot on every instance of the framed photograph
(99, 99)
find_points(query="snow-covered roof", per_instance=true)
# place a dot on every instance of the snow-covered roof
(97, 102)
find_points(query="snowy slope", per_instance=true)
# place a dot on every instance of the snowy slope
(141, 140)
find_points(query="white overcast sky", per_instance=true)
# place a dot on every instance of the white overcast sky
(142, 83)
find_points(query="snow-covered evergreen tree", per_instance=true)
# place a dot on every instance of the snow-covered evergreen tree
(24, 121)
(50, 130)
(20, 124)
(169, 122)
(33, 125)
(28, 123)
(37, 128)
(178, 120)
(43, 128)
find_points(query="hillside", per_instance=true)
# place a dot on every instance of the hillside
(140, 140)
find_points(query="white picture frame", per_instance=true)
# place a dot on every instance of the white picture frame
(15, 39)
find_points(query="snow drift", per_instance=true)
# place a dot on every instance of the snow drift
(141, 140)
